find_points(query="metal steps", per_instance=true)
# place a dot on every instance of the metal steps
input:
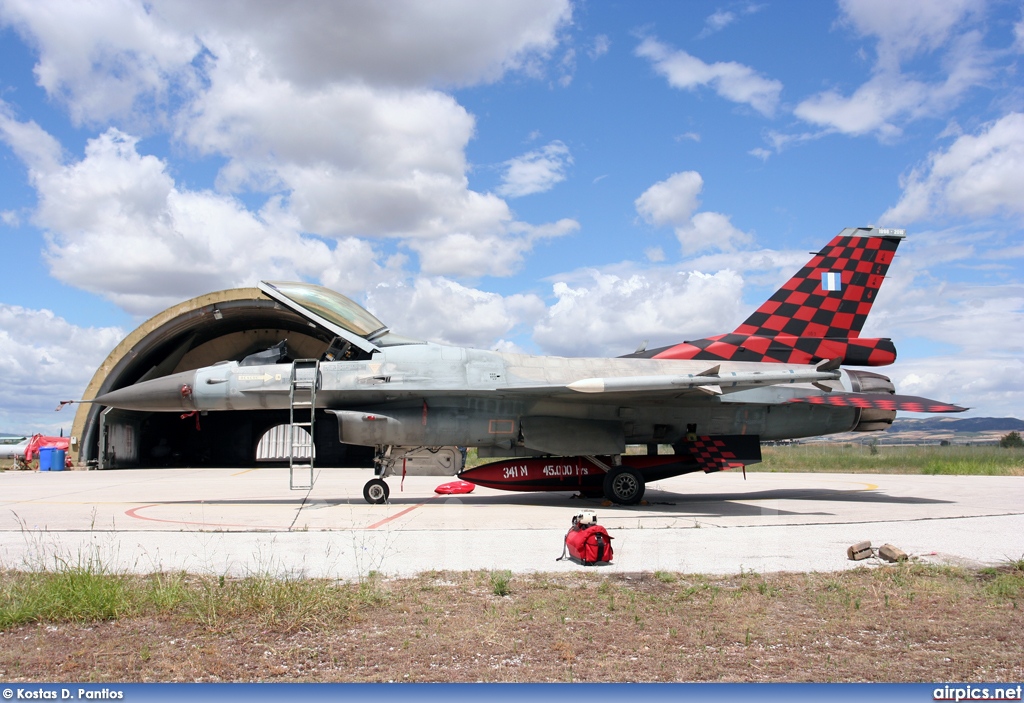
(305, 377)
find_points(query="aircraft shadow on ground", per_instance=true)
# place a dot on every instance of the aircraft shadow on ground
(661, 502)
(658, 502)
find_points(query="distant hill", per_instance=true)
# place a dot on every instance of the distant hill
(952, 424)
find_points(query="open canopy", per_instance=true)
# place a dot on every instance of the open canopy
(337, 312)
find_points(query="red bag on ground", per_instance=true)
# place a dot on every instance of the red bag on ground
(590, 545)
(455, 487)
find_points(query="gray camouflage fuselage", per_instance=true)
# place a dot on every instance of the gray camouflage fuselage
(434, 395)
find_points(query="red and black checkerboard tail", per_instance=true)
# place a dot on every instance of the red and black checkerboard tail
(817, 315)
(831, 296)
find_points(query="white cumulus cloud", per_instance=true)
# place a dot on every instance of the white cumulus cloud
(610, 312)
(440, 310)
(45, 359)
(466, 255)
(119, 226)
(536, 171)
(401, 43)
(890, 99)
(906, 29)
(978, 175)
(673, 202)
(330, 124)
(732, 81)
(103, 59)
(112, 59)
(995, 384)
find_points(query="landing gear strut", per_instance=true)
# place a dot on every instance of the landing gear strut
(376, 491)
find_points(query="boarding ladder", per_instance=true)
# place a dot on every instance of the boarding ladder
(301, 411)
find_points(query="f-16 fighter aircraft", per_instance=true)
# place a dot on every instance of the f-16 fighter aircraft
(563, 424)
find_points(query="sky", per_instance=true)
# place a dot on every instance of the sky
(548, 176)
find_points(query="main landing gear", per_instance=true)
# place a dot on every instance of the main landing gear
(623, 485)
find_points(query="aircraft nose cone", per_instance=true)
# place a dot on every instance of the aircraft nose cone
(167, 394)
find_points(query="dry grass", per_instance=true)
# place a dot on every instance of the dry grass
(893, 623)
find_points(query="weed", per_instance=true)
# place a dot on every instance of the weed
(500, 581)
(665, 577)
(166, 592)
(370, 591)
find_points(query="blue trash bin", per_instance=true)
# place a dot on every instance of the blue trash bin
(57, 462)
(46, 458)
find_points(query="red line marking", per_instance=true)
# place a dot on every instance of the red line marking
(134, 513)
(397, 515)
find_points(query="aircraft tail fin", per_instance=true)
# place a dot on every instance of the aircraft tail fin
(831, 296)
(817, 314)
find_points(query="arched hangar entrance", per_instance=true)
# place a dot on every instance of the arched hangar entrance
(222, 326)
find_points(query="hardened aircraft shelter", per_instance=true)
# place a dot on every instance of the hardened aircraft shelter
(226, 325)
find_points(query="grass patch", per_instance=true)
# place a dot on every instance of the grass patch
(932, 623)
(73, 594)
(856, 458)
(80, 595)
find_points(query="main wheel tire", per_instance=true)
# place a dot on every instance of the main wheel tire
(376, 491)
(624, 485)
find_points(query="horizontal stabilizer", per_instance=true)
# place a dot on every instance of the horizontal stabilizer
(880, 401)
(781, 348)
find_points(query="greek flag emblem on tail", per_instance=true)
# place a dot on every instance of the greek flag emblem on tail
(831, 280)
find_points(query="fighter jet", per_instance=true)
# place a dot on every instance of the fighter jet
(564, 424)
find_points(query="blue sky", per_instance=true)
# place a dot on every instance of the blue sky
(547, 176)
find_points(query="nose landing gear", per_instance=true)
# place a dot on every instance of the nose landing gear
(376, 491)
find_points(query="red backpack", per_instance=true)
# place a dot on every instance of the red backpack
(588, 542)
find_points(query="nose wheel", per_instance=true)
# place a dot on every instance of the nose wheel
(376, 491)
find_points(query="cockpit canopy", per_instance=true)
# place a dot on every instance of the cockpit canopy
(335, 311)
